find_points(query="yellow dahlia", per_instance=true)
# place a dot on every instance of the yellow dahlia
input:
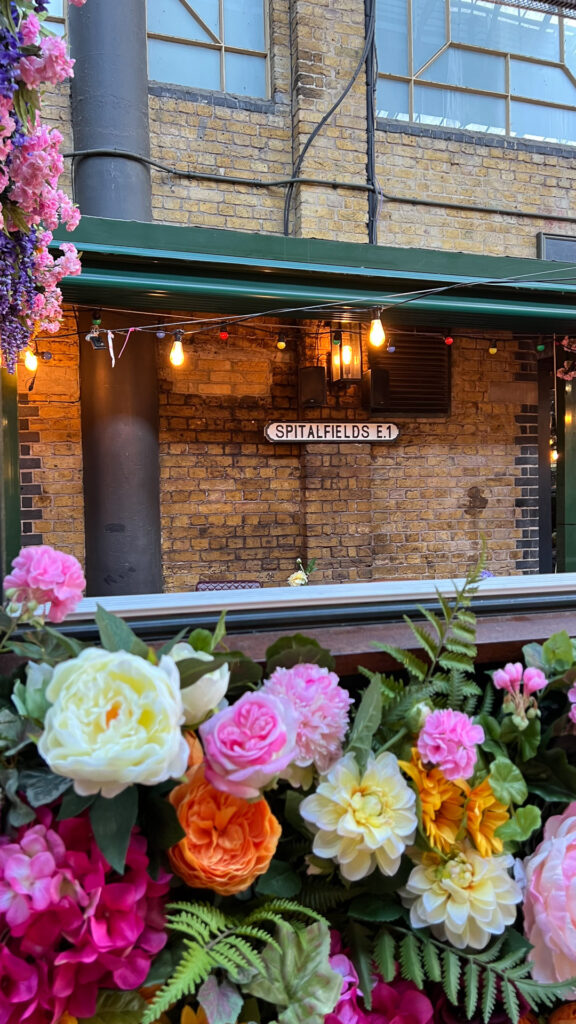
(363, 819)
(465, 899)
(484, 815)
(441, 803)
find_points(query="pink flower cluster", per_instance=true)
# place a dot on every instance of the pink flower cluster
(75, 927)
(299, 717)
(52, 66)
(514, 676)
(46, 313)
(448, 739)
(399, 1002)
(572, 699)
(41, 577)
(35, 167)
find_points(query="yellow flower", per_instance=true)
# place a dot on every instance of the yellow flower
(363, 820)
(441, 802)
(465, 899)
(190, 1016)
(484, 815)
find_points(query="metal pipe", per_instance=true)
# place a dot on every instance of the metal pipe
(371, 80)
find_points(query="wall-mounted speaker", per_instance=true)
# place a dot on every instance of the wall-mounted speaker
(311, 386)
(375, 389)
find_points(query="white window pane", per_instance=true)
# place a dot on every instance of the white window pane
(459, 110)
(471, 70)
(392, 100)
(506, 29)
(244, 24)
(170, 18)
(543, 123)
(246, 76)
(428, 29)
(538, 82)
(392, 36)
(570, 44)
(55, 9)
(179, 64)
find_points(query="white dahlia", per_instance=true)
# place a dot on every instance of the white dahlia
(363, 820)
(465, 899)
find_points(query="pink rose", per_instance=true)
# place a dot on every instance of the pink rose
(43, 576)
(448, 739)
(248, 744)
(550, 900)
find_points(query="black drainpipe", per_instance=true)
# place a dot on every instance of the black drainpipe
(119, 405)
(371, 81)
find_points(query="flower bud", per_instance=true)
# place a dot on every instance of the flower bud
(418, 715)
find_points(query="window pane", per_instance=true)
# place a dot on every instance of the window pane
(244, 24)
(55, 9)
(507, 29)
(245, 76)
(570, 44)
(428, 29)
(534, 122)
(471, 70)
(392, 36)
(183, 65)
(459, 110)
(392, 100)
(170, 18)
(538, 82)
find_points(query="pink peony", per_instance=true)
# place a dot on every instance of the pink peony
(448, 739)
(43, 576)
(321, 706)
(248, 744)
(513, 675)
(550, 900)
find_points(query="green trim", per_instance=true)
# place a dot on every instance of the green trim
(566, 479)
(10, 538)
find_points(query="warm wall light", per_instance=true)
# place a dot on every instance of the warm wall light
(377, 335)
(177, 351)
(31, 360)
(493, 349)
(346, 355)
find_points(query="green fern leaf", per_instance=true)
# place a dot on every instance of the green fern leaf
(239, 952)
(456, 661)
(384, 949)
(259, 934)
(432, 964)
(461, 647)
(424, 638)
(323, 897)
(410, 961)
(512, 959)
(414, 665)
(194, 967)
(445, 606)
(450, 975)
(510, 999)
(285, 908)
(488, 995)
(433, 620)
(489, 955)
(472, 987)
(464, 617)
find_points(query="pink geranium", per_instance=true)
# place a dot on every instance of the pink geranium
(249, 743)
(321, 706)
(448, 739)
(43, 578)
(52, 66)
(550, 900)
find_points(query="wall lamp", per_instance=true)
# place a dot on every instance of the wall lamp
(346, 355)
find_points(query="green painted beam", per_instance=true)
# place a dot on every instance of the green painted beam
(566, 478)
(10, 499)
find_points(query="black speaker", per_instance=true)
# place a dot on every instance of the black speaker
(375, 389)
(311, 386)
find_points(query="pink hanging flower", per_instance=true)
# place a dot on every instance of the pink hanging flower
(572, 699)
(30, 30)
(52, 66)
(448, 739)
(42, 576)
(520, 685)
(321, 706)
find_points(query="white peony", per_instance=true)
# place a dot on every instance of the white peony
(206, 693)
(115, 720)
(298, 579)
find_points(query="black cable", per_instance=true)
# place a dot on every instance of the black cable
(371, 81)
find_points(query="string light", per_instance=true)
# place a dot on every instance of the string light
(177, 351)
(493, 348)
(377, 335)
(31, 360)
(448, 340)
(224, 333)
(390, 346)
(281, 343)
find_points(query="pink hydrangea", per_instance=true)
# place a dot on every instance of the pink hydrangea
(35, 168)
(30, 30)
(42, 576)
(249, 743)
(572, 699)
(52, 66)
(321, 707)
(514, 676)
(448, 739)
(33, 877)
(550, 900)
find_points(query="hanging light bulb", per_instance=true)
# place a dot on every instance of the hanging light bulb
(493, 349)
(281, 343)
(346, 355)
(177, 351)
(377, 335)
(448, 340)
(31, 360)
(223, 332)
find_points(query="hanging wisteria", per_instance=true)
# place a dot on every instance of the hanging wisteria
(31, 204)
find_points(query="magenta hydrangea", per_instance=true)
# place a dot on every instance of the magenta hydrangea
(45, 582)
(321, 707)
(448, 739)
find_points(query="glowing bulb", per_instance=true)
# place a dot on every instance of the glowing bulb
(177, 354)
(346, 354)
(493, 349)
(281, 343)
(223, 332)
(448, 340)
(377, 335)
(553, 455)
(31, 361)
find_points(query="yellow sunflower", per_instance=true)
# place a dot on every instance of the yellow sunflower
(441, 803)
(484, 815)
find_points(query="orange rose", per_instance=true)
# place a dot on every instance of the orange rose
(196, 754)
(565, 1014)
(228, 842)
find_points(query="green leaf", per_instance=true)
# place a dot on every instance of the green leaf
(11, 728)
(424, 638)
(510, 1000)
(366, 723)
(373, 908)
(507, 782)
(432, 964)
(410, 962)
(112, 822)
(42, 787)
(415, 666)
(451, 975)
(490, 725)
(533, 656)
(557, 652)
(384, 949)
(551, 776)
(192, 669)
(18, 814)
(220, 631)
(117, 1008)
(521, 825)
(489, 993)
(159, 820)
(295, 650)
(116, 635)
(280, 880)
(221, 1002)
(529, 740)
(72, 805)
(472, 987)
(201, 640)
(361, 956)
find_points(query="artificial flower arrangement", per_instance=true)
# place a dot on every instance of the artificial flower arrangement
(189, 838)
(301, 576)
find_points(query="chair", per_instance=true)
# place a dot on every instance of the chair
(228, 585)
